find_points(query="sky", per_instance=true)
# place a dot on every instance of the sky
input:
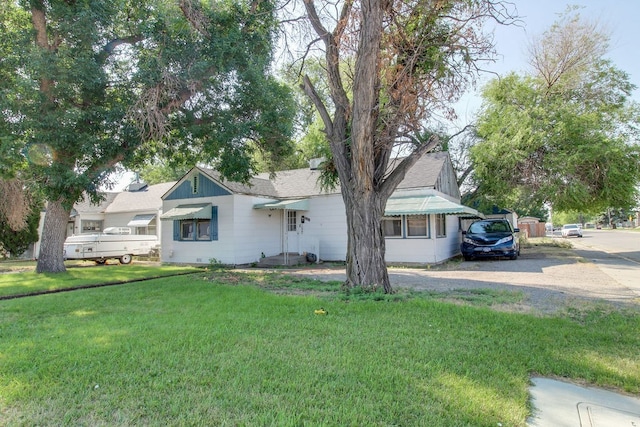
(621, 18)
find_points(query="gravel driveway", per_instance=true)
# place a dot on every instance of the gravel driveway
(550, 279)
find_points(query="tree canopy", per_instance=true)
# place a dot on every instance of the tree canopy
(96, 84)
(567, 134)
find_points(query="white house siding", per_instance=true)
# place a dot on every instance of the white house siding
(256, 231)
(119, 219)
(190, 252)
(430, 250)
(452, 247)
(410, 250)
(327, 225)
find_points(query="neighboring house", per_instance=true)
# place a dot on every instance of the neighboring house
(208, 219)
(138, 208)
(88, 218)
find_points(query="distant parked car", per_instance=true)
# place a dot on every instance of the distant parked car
(569, 230)
(490, 238)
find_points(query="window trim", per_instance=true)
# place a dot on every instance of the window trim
(441, 224)
(394, 218)
(426, 222)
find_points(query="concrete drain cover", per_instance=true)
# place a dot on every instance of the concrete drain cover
(562, 404)
(594, 415)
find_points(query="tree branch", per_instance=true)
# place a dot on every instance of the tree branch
(397, 175)
(310, 91)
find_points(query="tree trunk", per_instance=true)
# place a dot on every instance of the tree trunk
(366, 266)
(50, 258)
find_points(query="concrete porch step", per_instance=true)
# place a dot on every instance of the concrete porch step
(278, 260)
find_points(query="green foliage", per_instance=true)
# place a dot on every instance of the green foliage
(566, 135)
(565, 149)
(120, 81)
(157, 171)
(17, 241)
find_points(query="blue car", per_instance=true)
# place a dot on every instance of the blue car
(490, 238)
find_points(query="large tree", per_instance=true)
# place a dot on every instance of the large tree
(92, 84)
(564, 135)
(410, 59)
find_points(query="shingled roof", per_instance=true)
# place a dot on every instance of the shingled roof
(86, 206)
(298, 183)
(149, 198)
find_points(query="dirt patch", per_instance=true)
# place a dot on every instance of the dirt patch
(549, 279)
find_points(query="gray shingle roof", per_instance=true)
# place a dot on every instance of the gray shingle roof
(146, 200)
(85, 205)
(297, 183)
(426, 171)
(304, 182)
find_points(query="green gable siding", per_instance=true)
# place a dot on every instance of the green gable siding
(205, 188)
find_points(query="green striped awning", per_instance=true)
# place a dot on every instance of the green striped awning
(420, 205)
(292, 205)
(199, 211)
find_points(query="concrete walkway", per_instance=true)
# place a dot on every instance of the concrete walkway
(562, 404)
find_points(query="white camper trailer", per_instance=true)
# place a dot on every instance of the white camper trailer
(115, 242)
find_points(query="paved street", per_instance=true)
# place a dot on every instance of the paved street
(615, 253)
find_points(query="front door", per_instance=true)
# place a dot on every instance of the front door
(292, 244)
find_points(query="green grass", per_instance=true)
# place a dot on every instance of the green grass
(30, 282)
(231, 349)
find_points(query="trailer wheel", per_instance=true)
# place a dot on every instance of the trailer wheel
(125, 259)
(101, 261)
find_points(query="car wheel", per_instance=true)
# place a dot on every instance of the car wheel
(125, 259)
(513, 257)
(468, 258)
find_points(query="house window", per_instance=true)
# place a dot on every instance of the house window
(291, 221)
(201, 229)
(417, 226)
(91, 226)
(392, 226)
(186, 229)
(441, 225)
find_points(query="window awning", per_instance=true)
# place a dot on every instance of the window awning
(200, 211)
(292, 205)
(141, 220)
(421, 205)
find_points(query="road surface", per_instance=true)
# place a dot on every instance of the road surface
(615, 253)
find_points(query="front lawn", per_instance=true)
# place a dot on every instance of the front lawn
(79, 274)
(232, 350)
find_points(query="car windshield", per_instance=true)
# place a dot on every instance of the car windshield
(570, 226)
(483, 227)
